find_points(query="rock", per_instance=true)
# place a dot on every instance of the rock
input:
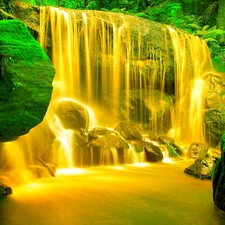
(219, 179)
(129, 131)
(148, 107)
(197, 150)
(152, 136)
(72, 115)
(202, 168)
(108, 141)
(106, 148)
(152, 152)
(29, 14)
(26, 75)
(98, 131)
(173, 149)
(4, 190)
(215, 109)
(80, 137)
(137, 146)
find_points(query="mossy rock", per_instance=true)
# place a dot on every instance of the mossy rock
(26, 75)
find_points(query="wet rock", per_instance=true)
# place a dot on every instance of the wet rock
(219, 178)
(4, 190)
(99, 131)
(80, 137)
(26, 75)
(108, 141)
(152, 152)
(152, 136)
(145, 106)
(202, 168)
(105, 147)
(136, 145)
(173, 149)
(215, 109)
(71, 114)
(197, 150)
(130, 131)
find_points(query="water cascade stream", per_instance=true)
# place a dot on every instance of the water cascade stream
(122, 68)
(112, 67)
(98, 54)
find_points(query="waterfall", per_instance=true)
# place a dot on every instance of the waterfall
(98, 54)
(192, 62)
(121, 68)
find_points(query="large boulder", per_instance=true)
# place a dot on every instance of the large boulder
(215, 109)
(26, 75)
(153, 152)
(129, 131)
(149, 107)
(201, 168)
(197, 150)
(105, 147)
(71, 114)
(219, 179)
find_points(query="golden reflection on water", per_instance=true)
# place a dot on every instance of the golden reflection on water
(156, 193)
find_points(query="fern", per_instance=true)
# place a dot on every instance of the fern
(193, 26)
(210, 41)
(213, 34)
(205, 28)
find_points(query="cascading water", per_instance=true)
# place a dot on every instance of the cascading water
(97, 53)
(191, 62)
(123, 68)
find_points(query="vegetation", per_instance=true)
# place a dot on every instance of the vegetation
(208, 25)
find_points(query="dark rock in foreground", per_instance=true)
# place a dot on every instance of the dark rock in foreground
(152, 152)
(219, 179)
(26, 75)
(202, 168)
(5, 190)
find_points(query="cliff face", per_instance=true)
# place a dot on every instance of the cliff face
(26, 75)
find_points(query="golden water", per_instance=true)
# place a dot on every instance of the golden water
(95, 54)
(192, 62)
(98, 54)
(158, 194)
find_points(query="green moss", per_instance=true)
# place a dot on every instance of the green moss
(219, 63)
(26, 42)
(26, 75)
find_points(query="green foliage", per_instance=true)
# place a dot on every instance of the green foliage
(167, 13)
(170, 8)
(213, 33)
(92, 5)
(219, 62)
